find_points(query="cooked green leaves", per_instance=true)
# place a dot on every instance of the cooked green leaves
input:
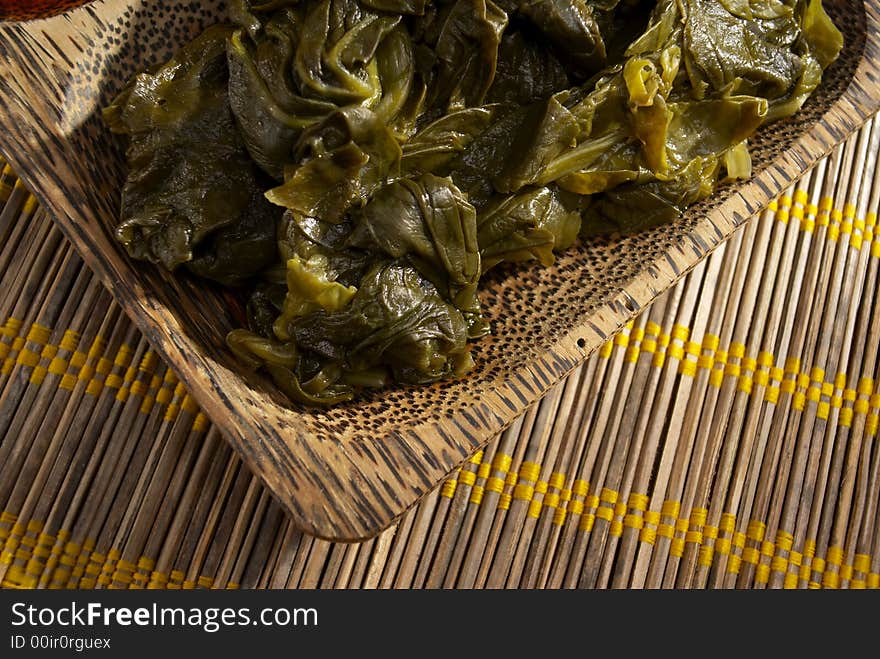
(354, 167)
(430, 222)
(190, 174)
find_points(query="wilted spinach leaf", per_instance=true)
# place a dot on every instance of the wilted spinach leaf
(355, 166)
(189, 172)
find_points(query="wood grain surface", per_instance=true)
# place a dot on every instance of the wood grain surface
(348, 472)
(23, 10)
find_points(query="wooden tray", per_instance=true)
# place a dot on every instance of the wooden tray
(349, 472)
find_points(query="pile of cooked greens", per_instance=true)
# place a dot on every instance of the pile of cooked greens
(355, 166)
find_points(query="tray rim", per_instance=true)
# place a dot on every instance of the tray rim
(494, 413)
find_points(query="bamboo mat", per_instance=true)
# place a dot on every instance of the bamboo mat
(726, 438)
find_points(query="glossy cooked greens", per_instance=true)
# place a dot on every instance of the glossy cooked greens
(355, 166)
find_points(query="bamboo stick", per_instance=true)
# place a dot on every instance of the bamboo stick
(735, 455)
(643, 460)
(249, 572)
(487, 524)
(583, 460)
(233, 492)
(288, 550)
(63, 464)
(618, 376)
(15, 216)
(347, 568)
(243, 536)
(482, 514)
(381, 548)
(810, 428)
(688, 491)
(401, 536)
(166, 547)
(332, 565)
(33, 317)
(453, 520)
(475, 500)
(744, 481)
(772, 428)
(657, 541)
(726, 420)
(21, 429)
(630, 439)
(823, 469)
(361, 563)
(553, 510)
(720, 394)
(197, 517)
(25, 459)
(418, 537)
(861, 528)
(508, 563)
(661, 569)
(114, 480)
(606, 460)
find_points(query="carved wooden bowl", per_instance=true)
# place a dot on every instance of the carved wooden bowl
(348, 472)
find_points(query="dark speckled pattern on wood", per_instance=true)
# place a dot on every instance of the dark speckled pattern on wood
(348, 472)
(23, 10)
